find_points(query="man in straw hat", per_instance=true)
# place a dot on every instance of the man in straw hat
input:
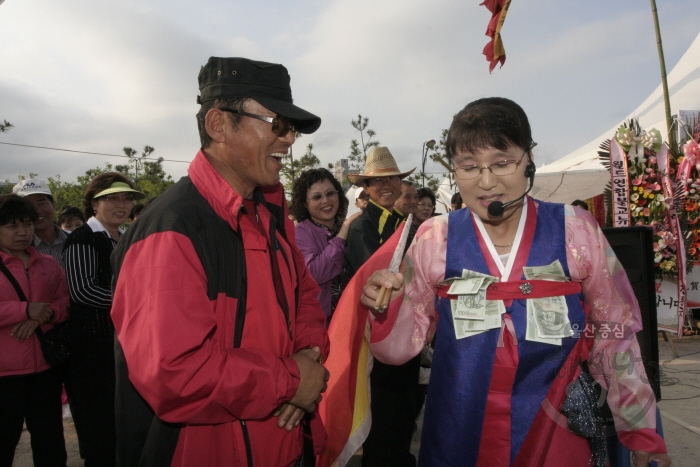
(382, 181)
(393, 388)
(221, 336)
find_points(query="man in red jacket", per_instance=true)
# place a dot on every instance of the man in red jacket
(220, 334)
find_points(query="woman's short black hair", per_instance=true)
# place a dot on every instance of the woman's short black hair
(297, 207)
(492, 122)
(423, 192)
(581, 204)
(136, 211)
(69, 211)
(16, 208)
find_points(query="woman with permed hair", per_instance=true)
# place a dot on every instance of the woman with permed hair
(319, 206)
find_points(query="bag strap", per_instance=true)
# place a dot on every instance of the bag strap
(20, 292)
(13, 281)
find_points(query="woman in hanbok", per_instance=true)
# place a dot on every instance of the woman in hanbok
(518, 290)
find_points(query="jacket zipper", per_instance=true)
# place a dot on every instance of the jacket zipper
(246, 440)
(273, 245)
(29, 289)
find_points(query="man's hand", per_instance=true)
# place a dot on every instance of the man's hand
(289, 416)
(24, 330)
(40, 312)
(381, 278)
(642, 459)
(312, 380)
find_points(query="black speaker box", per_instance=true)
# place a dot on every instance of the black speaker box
(633, 246)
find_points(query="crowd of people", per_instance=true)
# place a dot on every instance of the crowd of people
(198, 335)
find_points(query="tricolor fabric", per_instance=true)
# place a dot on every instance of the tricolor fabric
(345, 408)
(494, 50)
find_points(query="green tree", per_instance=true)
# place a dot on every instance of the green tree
(358, 151)
(136, 164)
(149, 176)
(437, 154)
(152, 179)
(72, 193)
(291, 168)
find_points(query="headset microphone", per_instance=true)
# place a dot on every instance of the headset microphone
(496, 208)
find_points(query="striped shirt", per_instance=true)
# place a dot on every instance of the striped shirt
(81, 271)
(54, 249)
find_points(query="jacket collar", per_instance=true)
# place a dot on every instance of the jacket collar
(97, 226)
(33, 255)
(220, 195)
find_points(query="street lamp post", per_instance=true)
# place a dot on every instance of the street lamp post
(427, 145)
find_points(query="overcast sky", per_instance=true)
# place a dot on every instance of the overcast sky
(92, 75)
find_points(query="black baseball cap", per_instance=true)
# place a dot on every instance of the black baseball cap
(266, 83)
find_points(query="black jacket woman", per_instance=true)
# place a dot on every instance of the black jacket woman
(90, 374)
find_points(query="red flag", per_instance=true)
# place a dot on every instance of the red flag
(494, 51)
(345, 406)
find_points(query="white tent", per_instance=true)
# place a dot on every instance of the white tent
(580, 175)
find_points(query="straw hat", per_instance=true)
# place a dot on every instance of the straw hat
(379, 163)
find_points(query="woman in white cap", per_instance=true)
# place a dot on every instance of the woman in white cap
(90, 373)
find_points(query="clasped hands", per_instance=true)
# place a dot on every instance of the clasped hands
(38, 313)
(312, 382)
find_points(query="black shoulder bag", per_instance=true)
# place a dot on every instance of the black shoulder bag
(55, 343)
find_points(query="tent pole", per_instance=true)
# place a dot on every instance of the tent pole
(662, 63)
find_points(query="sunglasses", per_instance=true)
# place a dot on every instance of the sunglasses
(280, 125)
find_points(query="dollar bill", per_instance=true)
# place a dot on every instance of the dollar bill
(553, 271)
(551, 317)
(548, 317)
(469, 327)
(467, 286)
(471, 312)
(470, 306)
(532, 333)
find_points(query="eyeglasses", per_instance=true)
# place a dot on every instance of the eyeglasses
(318, 196)
(426, 205)
(280, 125)
(117, 198)
(383, 179)
(499, 169)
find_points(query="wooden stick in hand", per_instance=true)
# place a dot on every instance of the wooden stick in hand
(383, 299)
